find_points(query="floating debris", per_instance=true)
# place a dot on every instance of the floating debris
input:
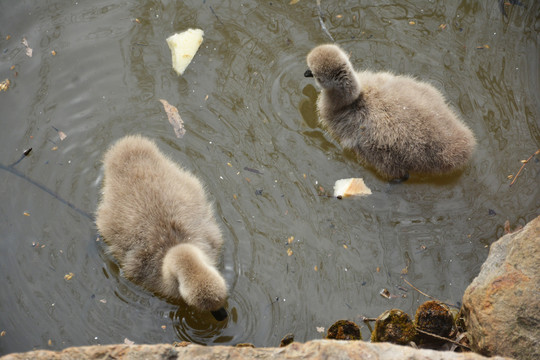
(4, 85)
(385, 293)
(350, 187)
(183, 47)
(68, 276)
(252, 170)
(174, 118)
(128, 342)
(28, 48)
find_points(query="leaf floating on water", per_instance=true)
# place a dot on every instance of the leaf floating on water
(3, 333)
(164, 327)
(174, 118)
(128, 342)
(61, 134)
(4, 85)
(28, 48)
(68, 276)
(26, 213)
(289, 252)
(290, 239)
(385, 293)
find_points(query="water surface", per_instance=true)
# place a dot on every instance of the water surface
(246, 104)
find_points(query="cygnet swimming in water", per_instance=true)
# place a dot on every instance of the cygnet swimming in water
(396, 124)
(160, 226)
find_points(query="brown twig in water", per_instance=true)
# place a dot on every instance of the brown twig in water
(421, 292)
(366, 319)
(319, 11)
(442, 338)
(522, 166)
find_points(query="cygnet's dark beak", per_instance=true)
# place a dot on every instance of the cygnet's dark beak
(308, 73)
(220, 314)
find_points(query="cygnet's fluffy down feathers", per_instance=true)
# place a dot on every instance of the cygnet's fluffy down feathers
(394, 123)
(159, 225)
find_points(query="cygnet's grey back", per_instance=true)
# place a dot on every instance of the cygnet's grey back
(396, 124)
(149, 205)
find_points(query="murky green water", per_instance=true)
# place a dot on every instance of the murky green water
(245, 103)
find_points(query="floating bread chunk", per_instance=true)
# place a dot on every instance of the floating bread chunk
(183, 47)
(350, 187)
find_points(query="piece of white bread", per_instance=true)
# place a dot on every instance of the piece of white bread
(350, 187)
(183, 47)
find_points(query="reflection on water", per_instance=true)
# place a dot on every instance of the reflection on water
(295, 260)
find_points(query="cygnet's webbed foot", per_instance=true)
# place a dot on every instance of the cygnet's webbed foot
(401, 179)
(308, 73)
(220, 314)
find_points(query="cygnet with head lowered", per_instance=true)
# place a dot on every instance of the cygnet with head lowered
(160, 226)
(395, 124)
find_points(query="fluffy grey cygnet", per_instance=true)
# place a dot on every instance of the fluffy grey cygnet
(396, 124)
(160, 226)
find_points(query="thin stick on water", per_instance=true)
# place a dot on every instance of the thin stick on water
(421, 292)
(442, 338)
(322, 22)
(522, 166)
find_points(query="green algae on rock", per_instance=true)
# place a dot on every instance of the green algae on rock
(344, 330)
(287, 339)
(434, 317)
(394, 326)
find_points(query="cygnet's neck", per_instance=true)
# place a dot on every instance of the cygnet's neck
(188, 271)
(347, 87)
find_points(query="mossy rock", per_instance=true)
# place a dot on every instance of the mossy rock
(344, 330)
(394, 326)
(287, 339)
(434, 317)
